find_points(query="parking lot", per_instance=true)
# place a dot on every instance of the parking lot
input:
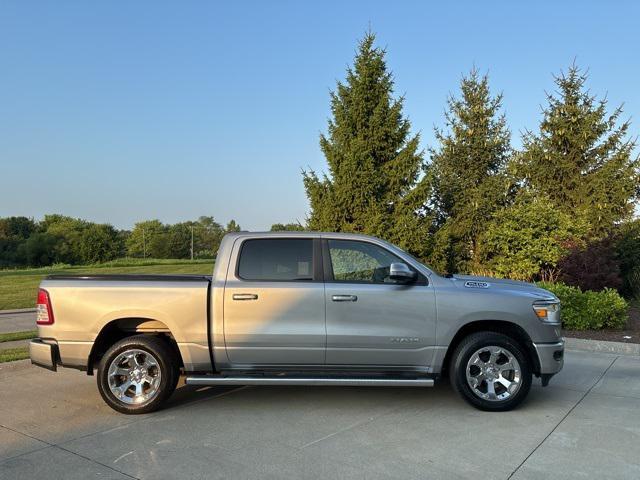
(586, 424)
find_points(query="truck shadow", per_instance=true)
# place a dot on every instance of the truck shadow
(186, 394)
(284, 395)
(441, 395)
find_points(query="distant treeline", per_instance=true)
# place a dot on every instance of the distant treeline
(25, 242)
(62, 239)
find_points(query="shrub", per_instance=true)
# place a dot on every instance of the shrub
(528, 238)
(628, 253)
(589, 310)
(592, 267)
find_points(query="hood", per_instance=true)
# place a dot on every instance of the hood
(505, 284)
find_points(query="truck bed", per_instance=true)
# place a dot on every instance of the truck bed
(85, 307)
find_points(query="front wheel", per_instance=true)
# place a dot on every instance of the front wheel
(137, 374)
(491, 371)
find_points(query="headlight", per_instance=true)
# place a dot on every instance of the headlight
(548, 311)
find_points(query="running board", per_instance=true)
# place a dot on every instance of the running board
(316, 381)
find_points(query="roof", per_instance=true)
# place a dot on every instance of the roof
(303, 234)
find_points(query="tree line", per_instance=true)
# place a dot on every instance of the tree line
(559, 207)
(59, 239)
(67, 240)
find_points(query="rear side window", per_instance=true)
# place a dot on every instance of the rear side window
(276, 259)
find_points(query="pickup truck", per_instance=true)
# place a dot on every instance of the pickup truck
(300, 308)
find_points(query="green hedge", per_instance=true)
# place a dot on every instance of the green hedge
(589, 310)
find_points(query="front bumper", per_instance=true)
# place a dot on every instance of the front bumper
(550, 357)
(43, 354)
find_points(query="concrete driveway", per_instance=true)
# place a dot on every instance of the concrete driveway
(585, 425)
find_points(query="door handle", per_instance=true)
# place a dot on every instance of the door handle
(245, 296)
(344, 298)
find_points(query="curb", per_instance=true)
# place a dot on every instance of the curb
(17, 310)
(601, 346)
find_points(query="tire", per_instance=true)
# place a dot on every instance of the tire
(138, 374)
(491, 371)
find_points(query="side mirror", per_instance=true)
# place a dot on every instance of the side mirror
(400, 272)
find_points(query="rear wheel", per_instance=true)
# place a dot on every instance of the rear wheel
(491, 371)
(137, 374)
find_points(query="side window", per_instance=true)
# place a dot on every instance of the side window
(354, 261)
(276, 259)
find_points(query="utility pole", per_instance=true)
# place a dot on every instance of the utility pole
(192, 243)
(144, 245)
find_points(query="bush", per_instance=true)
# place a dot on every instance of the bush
(589, 310)
(528, 238)
(628, 253)
(39, 249)
(592, 267)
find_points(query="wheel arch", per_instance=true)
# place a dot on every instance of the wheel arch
(511, 329)
(121, 328)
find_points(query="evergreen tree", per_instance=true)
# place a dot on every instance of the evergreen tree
(374, 163)
(580, 158)
(468, 173)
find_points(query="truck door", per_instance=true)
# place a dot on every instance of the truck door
(274, 312)
(370, 320)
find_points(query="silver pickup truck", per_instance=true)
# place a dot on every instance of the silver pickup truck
(300, 308)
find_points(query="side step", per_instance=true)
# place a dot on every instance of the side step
(319, 381)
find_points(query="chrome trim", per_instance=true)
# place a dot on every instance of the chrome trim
(43, 354)
(366, 382)
(245, 296)
(401, 271)
(344, 298)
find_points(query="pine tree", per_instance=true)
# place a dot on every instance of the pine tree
(374, 163)
(468, 172)
(580, 158)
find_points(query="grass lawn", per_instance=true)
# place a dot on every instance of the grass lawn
(13, 354)
(14, 336)
(18, 288)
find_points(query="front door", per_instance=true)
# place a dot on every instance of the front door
(371, 320)
(274, 303)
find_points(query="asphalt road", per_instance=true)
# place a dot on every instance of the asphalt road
(585, 425)
(17, 322)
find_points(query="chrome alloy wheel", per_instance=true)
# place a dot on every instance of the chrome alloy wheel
(493, 373)
(134, 376)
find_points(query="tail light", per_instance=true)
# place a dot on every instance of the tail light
(44, 312)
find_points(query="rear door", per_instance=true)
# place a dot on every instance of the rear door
(371, 320)
(274, 312)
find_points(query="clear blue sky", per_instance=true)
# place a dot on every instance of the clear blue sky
(122, 111)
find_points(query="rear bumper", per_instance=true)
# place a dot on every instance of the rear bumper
(43, 354)
(550, 356)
